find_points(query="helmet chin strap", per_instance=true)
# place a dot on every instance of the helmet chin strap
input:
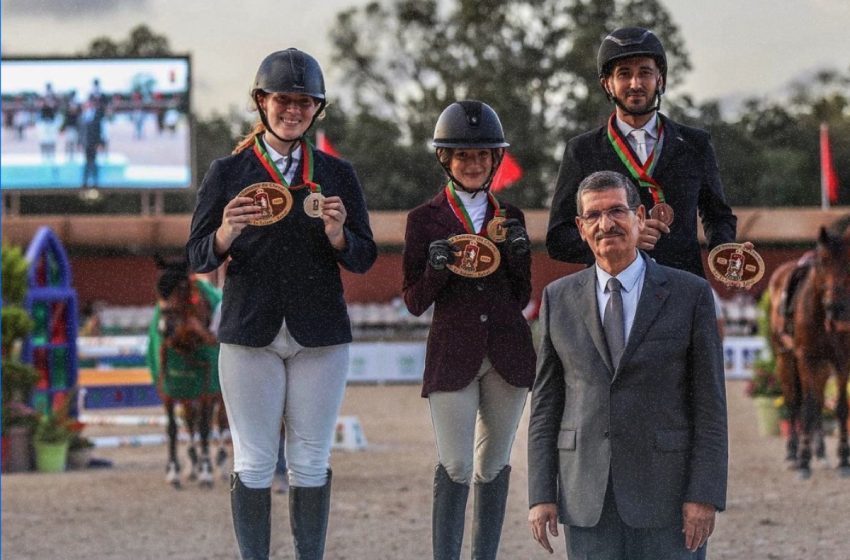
(293, 143)
(647, 111)
(486, 186)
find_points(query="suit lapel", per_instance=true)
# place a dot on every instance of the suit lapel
(445, 216)
(652, 298)
(589, 310)
(671, 146)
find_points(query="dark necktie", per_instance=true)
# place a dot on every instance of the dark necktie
(613, 323)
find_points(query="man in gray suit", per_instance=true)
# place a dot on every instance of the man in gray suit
(627, 442)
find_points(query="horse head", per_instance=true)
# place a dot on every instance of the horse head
(184, 316)
(832, 276)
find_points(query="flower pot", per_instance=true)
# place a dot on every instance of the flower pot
(767, 416)
(51, 457)
(79, 458)
(19, 456)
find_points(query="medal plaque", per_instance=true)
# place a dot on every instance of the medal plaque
(495, 231)
(477, 257)
(274, 199)
(313, 204)
(662, 212)
(735, 266)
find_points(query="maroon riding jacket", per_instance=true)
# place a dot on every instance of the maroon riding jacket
(473, 317)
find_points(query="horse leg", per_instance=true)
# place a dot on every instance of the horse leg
(790, 380)
(190, 415)
(814, 374)
(172, 475)
(841, 410)
(807, 426)
(205, 476)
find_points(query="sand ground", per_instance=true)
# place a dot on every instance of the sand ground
(382, 499)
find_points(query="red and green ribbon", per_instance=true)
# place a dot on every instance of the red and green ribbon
(277, 176)
(641, 172)
(462, 215)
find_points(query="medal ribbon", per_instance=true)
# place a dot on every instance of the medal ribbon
(277, 176)
(462, 215)
(643, 173)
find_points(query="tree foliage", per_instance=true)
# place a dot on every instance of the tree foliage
(142, 41)
(769, 154)
(534, 61)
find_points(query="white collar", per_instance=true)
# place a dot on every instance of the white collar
(651, 126)
(279, 158)
(628, 277)
(470, 201)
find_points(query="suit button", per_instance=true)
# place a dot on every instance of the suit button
(606, 435)
(483, 318)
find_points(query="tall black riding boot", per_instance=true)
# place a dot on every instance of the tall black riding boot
(251, 519)
(308, 518)
(447, 516)
(488, 515)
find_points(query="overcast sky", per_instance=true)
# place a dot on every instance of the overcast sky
(737, 47)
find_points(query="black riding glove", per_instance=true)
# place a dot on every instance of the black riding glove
(517, 238)
(440, 253)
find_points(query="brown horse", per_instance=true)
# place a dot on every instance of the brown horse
(818, 344)
(183, 356)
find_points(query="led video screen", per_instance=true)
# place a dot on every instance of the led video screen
(117, 123)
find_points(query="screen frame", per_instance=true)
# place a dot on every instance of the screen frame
(191, 183)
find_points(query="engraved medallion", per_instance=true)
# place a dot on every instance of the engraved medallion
(477, 256)
(313, 204)
(735, 266)
(274, 199)
(662, 212)
(495, 231)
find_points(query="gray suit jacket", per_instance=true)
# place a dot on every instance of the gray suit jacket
(658, 422)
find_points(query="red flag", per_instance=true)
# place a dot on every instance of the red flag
(509, 173)
(828, 178)
(324, 145)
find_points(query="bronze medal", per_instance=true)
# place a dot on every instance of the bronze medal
(274, 199)
(495, 231)
(735, 266)
(313, 204)
(662, 212)
(477, 257)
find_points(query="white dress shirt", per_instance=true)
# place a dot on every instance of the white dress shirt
(651, 128)
(280, 161)
(476, 206)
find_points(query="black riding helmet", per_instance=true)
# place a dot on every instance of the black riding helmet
(289, 71)
(470, 124)
(628, 42)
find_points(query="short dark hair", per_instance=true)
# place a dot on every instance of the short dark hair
(606, 181)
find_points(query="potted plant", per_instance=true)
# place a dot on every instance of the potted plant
(51, 440)
(79, 448)
(19, 420)
(764, 388)
(18, 381)
(18, 378)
